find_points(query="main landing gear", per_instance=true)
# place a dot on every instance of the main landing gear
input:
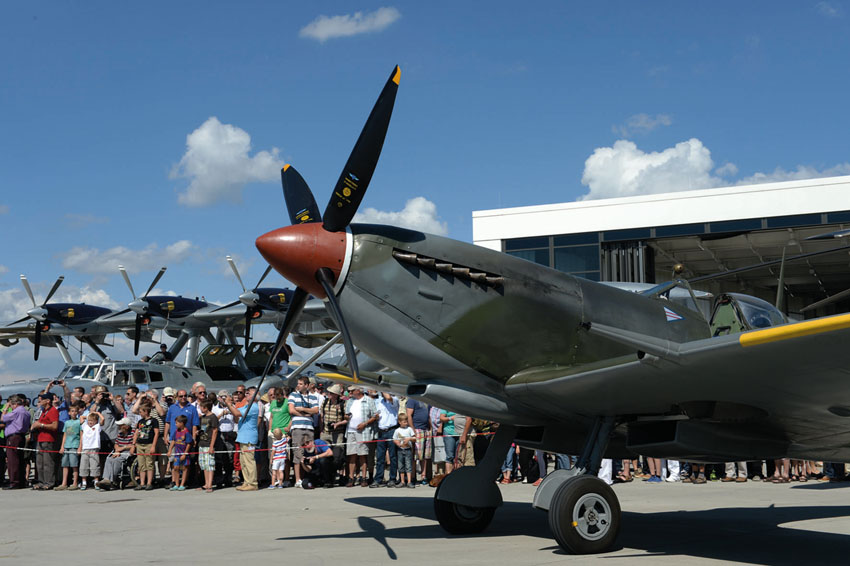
(584, 513)
(466, 499)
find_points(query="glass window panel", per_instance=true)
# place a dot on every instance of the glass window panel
(795, 220)
(526, 243)
(679, 230)
(630, 234)
(573, 239)
(735, 225)
(537, 256)
(577, 258)
(838, 217)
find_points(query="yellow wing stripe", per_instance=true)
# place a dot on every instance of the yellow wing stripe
(338, 377)
(787, 331)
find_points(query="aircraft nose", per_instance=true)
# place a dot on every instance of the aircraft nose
(298, 251)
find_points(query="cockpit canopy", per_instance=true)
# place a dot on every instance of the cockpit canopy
(734, 312)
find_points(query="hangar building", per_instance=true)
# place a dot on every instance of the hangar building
(641, 238)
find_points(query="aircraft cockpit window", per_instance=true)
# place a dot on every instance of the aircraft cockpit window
(759, 313)
(137, 377)
(120, 378)
(72, 371)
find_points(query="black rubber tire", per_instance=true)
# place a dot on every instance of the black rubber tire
(583, 498)
(460, 519)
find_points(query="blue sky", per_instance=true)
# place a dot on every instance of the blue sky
(152, 134)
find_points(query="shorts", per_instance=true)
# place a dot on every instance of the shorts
(71, 459)
(206, 459)
(90, 463)
(298, 437)
(179, 460)
(144, 458)
(405, 461)
(423, 444)
(355, 445)
(279, 464)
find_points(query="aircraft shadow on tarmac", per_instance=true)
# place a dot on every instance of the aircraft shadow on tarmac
(757, 535)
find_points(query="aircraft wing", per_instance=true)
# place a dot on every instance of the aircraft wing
(792, 382)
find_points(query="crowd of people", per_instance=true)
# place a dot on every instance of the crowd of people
(307, 437)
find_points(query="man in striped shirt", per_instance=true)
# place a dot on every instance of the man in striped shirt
(302, 407)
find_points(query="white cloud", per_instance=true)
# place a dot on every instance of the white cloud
(418, 213)
(82, 220)
(218, 165)
(94, 260)
(3, 269)
(801, 172)
(4, 208)
(829, 9)
(624, 170)
(641, 124)
(324, 28)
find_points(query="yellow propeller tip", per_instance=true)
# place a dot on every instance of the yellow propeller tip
(397, 75)
(285, 167)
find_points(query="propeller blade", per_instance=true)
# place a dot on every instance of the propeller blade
(127, 280)
(299, 299)
(37, 341)
(53, 289)
(265, 274)
(155, 281)
(236, 272)
(248, 316)
(300, 203)
(354, 179)
(138, 335)
(326, 278)
(26, 285)
(228, 305)
(20, 320)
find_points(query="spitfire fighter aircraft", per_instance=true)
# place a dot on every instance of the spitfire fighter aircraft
(565, 364)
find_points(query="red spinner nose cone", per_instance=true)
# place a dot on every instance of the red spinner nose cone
(298, 251)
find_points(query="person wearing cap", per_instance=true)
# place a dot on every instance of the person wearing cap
(16, 423)
(247, 439)
(334, 422)
(46, 427)
(226, 442)
(361, 413)
(303, 407)
(122, 451)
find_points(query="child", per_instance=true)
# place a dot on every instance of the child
(177, 453)
(207, 436)
(280, 446)
(89, 447)
(404, 437)
(70, 446)
(144, 439)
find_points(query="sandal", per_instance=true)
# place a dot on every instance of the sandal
(209, 490)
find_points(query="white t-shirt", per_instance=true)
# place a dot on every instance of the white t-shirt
(90, 436)
(356, 415)
(402, 433)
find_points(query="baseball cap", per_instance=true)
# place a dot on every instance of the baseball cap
(169, 392)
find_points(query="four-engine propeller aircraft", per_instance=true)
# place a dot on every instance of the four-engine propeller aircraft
(565, 364)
